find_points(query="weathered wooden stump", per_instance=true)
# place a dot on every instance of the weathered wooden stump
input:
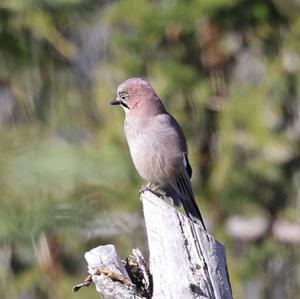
(185, 261)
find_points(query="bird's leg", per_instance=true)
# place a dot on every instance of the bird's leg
(155, 189)
(145, 188)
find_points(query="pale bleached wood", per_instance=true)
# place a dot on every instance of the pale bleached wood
(106, 258)
(185, 261)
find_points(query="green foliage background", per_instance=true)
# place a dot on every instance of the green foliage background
(227, 69)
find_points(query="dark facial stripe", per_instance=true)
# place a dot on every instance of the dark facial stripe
(124, 105)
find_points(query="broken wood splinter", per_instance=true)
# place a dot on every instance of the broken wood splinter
(112, 275)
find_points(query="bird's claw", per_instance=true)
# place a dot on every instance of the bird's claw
(155, 189)
(144, 188)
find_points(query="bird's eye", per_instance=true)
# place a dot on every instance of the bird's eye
(123, 96)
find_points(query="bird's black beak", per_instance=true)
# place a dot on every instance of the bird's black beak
(115, 102)
(118, 102)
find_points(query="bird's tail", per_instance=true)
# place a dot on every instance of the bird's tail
(182, 193)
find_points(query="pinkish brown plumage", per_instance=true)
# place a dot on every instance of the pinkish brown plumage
(141, 97)
(157, 144)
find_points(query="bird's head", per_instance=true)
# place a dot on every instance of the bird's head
(136, 96)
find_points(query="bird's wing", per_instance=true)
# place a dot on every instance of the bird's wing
(187, 165)
(183, 185)
(181, 189)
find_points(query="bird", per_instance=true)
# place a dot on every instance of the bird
(157, 145)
